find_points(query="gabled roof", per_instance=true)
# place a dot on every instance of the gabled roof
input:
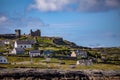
(19, 49)
(23, 42)
(34, 51)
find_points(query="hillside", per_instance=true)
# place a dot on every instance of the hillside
(52, 43)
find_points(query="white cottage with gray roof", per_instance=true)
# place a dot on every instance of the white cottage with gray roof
(22, 44)
(34, 53)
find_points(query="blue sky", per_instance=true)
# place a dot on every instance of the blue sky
(90, 23)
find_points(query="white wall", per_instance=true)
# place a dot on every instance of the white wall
(22, 45)
(3, 60)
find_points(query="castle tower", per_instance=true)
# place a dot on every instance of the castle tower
(18, 32)
(35, 33)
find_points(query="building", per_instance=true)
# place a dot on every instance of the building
(8, 36)
(35, 33)
(81, 53)
(18, 51)
(18, 32)
(3, 60)
(22, 44)
(77, 53)
(2, 44)
(11, 36)
(34, 53)
(85, 62)
(6, 42)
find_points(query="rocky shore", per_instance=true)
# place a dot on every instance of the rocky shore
(50, 74)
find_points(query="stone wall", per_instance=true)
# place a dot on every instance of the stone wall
(47, 74)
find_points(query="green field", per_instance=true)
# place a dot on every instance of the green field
(25, 62)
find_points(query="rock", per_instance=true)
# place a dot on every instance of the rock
(51, 74)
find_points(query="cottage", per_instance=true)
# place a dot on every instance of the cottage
(81, 53)
(34, 53)
(6, 42)
(18, 51)
(22, 44)
(3, 60)
(84, 62)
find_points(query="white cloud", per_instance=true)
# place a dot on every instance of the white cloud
(75, 5)
(51, 5)
(20, 22)
(113, 3)
(3, 19)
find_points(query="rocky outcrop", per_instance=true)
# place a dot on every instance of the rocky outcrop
(103, 74)
(47, 74)
(35, 74)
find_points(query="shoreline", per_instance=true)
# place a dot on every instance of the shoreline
(57, 74)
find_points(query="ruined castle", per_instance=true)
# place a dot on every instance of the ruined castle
(10, 36)
(35, 33)
(18, 34)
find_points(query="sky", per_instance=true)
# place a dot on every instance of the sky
(89, 23)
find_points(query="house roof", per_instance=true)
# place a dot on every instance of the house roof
(1, 43)
(19, 49)
(1, 57)
(47, 52)
(23, 42)
(34, 51)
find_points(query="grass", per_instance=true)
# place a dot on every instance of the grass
(53, 64)
(100, 67)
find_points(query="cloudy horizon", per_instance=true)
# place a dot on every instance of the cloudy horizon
(90, 23)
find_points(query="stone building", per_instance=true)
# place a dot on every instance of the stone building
(35, 33)
(10, 36)
(18, 32)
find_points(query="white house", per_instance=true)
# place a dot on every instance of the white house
(3, 60)
(73, 54)
(22, 44)
(6, 41)
(17, 51)
(34, 53)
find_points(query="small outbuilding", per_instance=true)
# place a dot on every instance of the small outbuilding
(3, 60)
(34, 53)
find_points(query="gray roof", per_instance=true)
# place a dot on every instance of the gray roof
(19, 49)
(34, 51)
(23, 42)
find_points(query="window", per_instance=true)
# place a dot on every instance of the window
(21, 46)
(0, 60)
(4, 60)
(25, 46)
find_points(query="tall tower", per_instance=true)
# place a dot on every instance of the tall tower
(18, 32)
